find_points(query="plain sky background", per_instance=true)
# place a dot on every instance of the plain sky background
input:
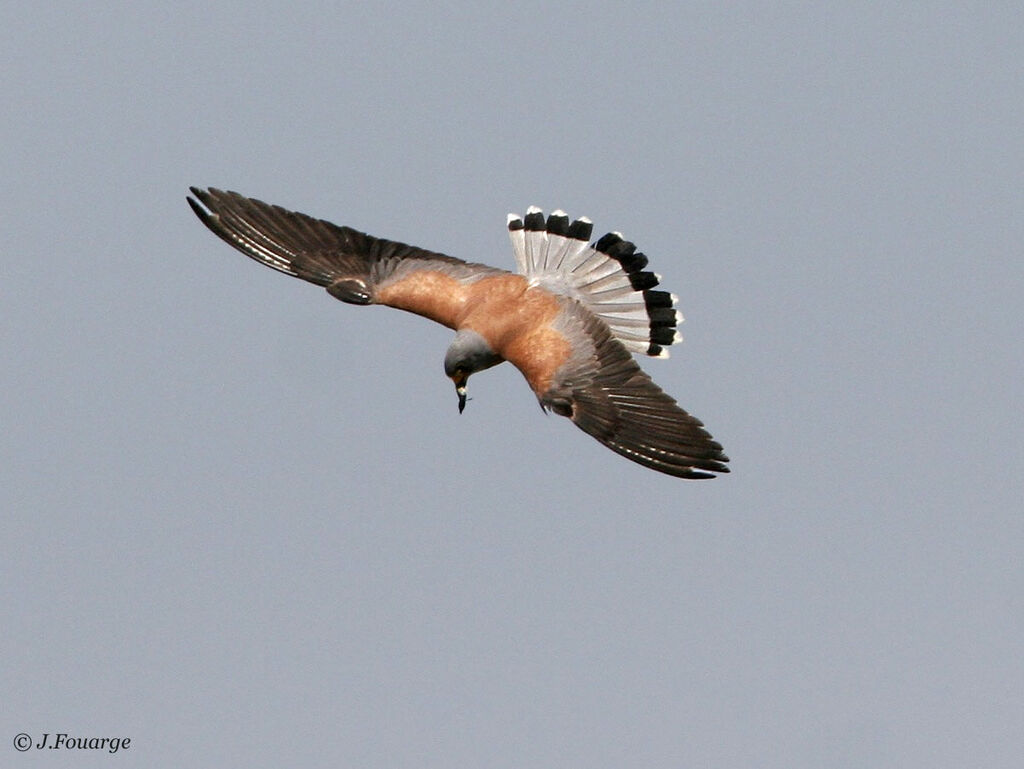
(244, 524)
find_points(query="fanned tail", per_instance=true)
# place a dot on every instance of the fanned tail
(608, 277)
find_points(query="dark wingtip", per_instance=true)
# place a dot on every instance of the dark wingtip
(198, 209)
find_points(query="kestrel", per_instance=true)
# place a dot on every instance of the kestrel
(568, 319)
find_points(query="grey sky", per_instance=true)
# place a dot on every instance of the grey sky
(244, 524)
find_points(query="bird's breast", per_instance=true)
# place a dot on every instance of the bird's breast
(516, 320)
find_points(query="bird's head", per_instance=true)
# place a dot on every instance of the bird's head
(467, 354)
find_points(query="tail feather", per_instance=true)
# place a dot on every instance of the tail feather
(607, 276)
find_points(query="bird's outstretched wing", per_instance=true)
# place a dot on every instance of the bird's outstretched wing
(352, 266)
(607, 395)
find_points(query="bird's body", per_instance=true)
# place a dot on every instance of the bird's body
(567, 320)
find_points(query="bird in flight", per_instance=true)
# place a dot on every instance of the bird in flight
(569, 319)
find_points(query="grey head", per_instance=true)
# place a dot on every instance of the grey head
(467, 354)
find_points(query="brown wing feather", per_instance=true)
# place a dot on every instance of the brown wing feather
(607, 395)
(352, 266)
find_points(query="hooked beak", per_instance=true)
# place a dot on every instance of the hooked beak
(460, 389)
